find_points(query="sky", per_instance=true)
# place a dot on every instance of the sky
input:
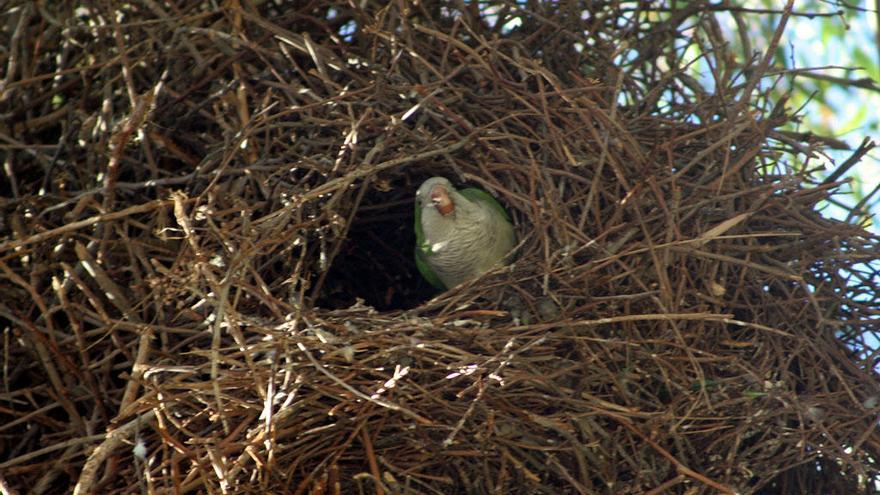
(849, 114)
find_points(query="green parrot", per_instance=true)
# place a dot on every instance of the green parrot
(459, 234)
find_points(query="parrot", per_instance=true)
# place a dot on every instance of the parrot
(459, 234)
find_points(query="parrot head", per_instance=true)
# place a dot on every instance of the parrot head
(436, 193)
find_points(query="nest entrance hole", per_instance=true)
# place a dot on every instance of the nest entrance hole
(375, 262)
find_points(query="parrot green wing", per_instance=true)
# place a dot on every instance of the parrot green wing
(421, 251)
(481, 196)
(427, 272)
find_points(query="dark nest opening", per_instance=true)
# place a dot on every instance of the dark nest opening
(375, 262)
(208, 282)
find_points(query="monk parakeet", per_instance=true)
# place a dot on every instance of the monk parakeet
(459, 234)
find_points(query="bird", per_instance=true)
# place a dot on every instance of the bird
(459, 234)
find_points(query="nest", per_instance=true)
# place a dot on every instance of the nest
(208, 276)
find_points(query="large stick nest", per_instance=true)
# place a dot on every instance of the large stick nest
(209, 288)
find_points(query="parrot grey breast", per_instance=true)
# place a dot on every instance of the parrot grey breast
(464, 237)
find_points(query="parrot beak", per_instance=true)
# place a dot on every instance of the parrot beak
(440, 199)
